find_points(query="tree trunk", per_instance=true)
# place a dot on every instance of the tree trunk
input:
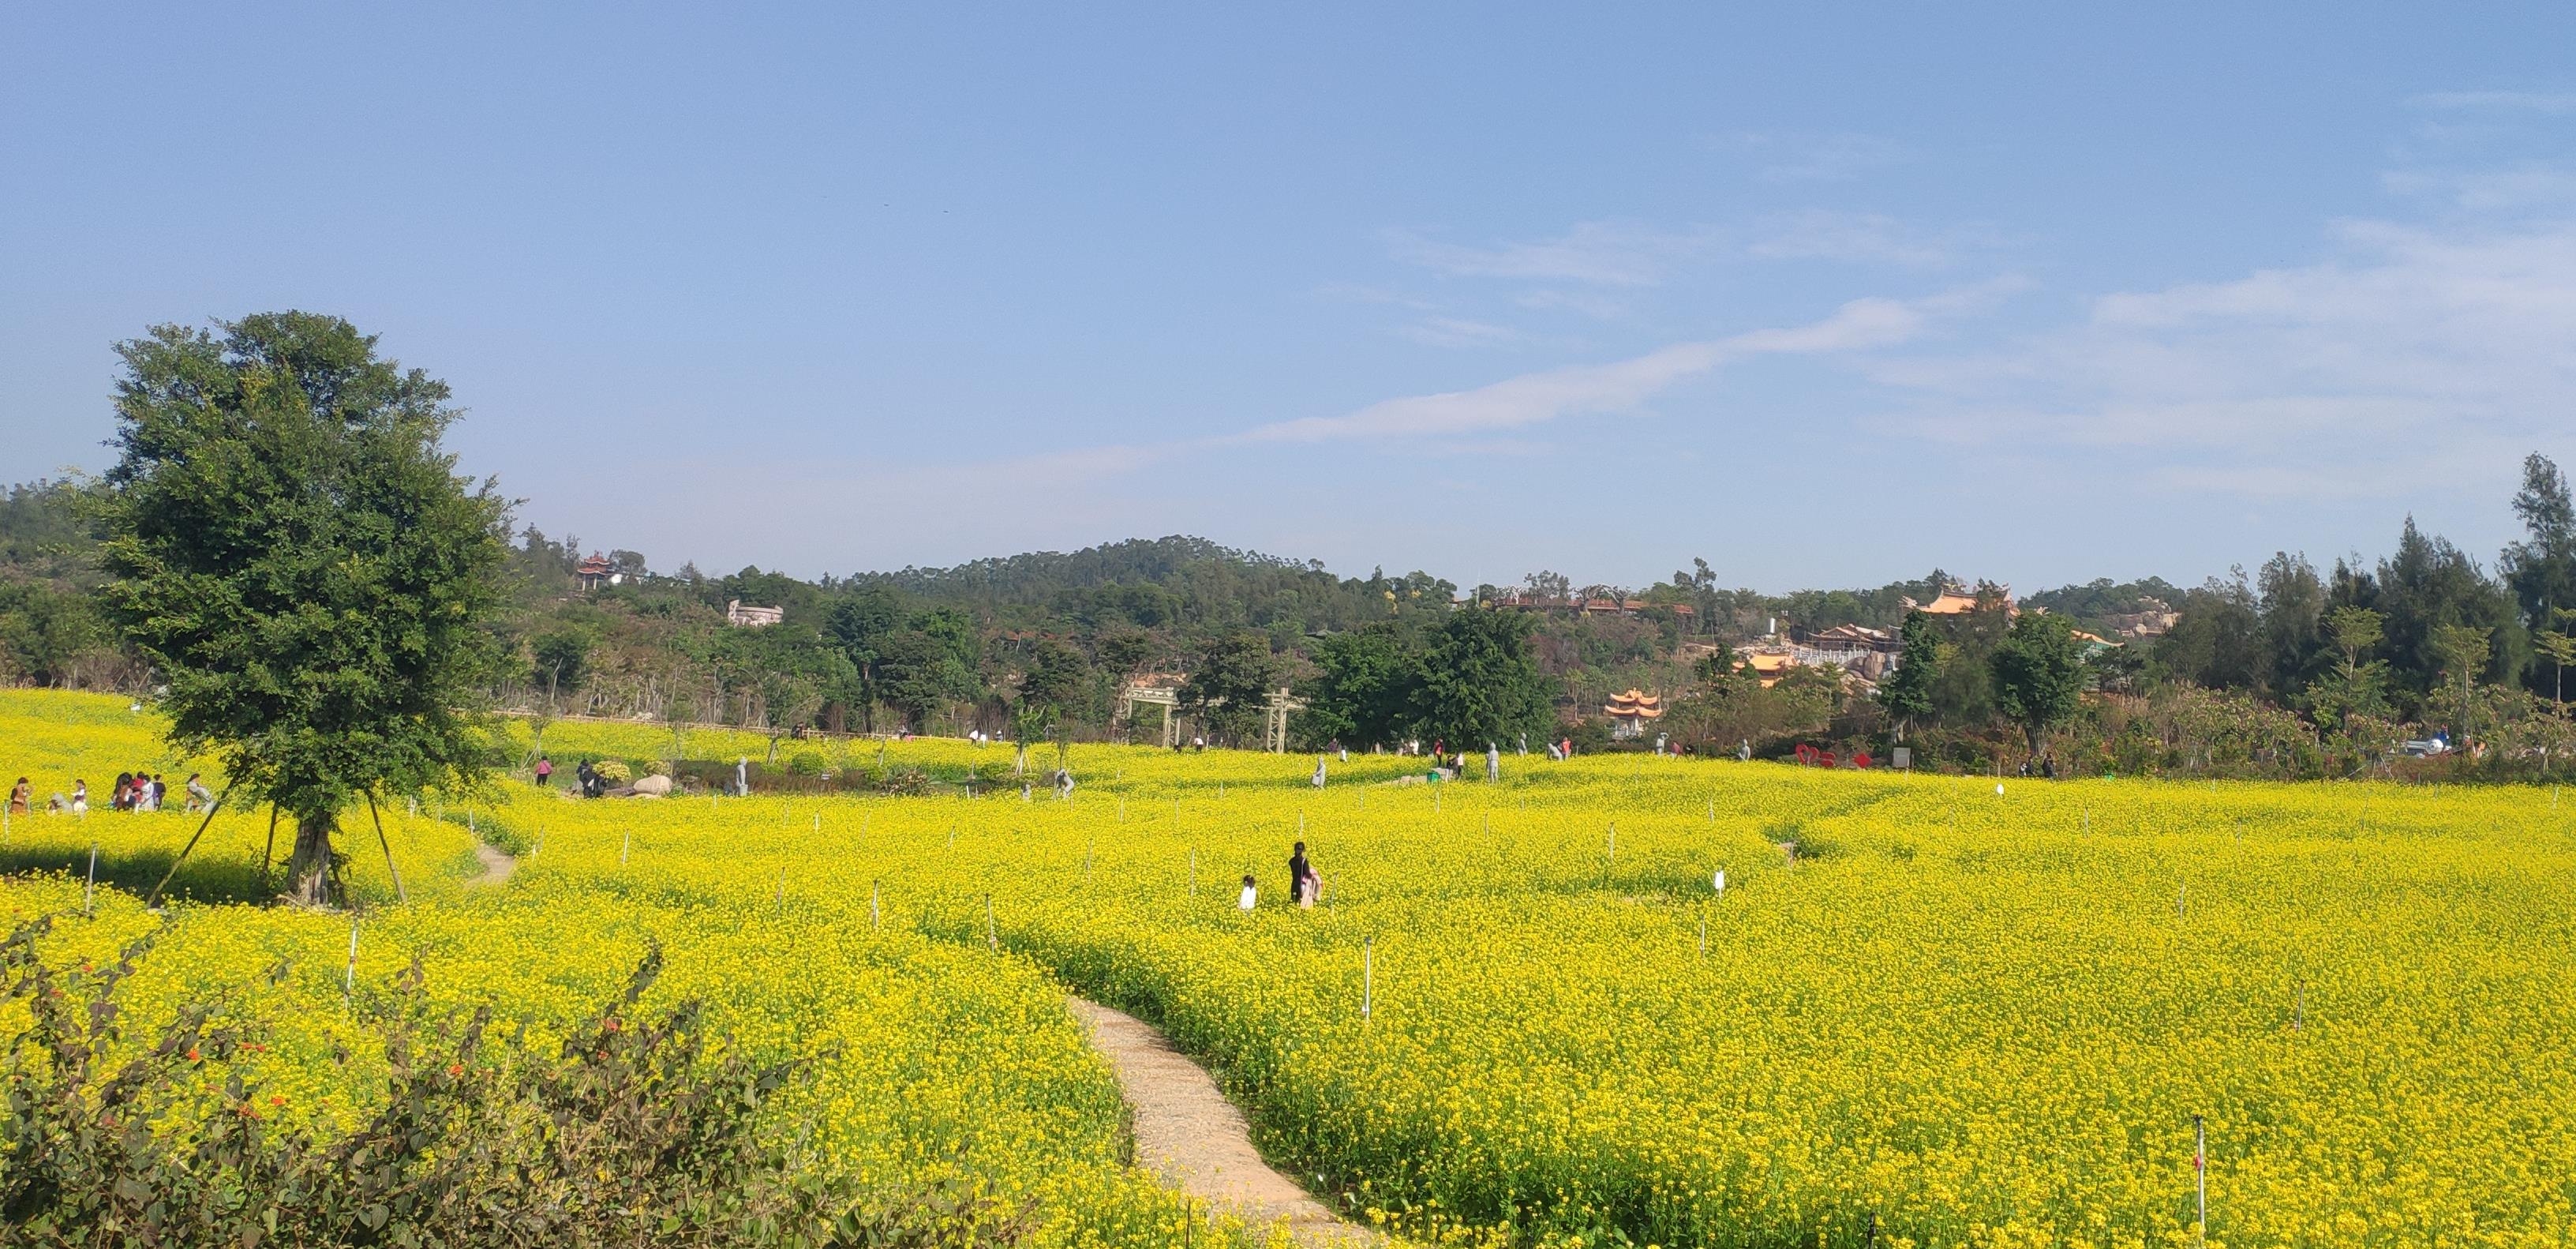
(310, 876)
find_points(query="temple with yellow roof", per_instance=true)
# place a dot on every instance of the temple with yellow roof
(1629, 712)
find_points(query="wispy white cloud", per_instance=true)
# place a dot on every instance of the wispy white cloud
(1459, 332)
(1592, 389)
(1593, 304)
(2514, 101)
(1815, 156)
(1594, 253)
(1851, 238)
(2518, 187)
(2411, 347)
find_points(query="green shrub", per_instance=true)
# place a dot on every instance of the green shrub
(808, 763)
(642, 1132)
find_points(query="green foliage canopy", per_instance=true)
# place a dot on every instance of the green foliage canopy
(299, 561)
(2039, 674)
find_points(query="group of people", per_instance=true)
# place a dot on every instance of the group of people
(591, 782)
(134, 791)
(1304, 885)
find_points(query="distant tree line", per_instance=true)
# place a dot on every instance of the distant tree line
(2425, 639)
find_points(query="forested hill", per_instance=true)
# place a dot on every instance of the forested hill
(2426, 636)
(1158, 582)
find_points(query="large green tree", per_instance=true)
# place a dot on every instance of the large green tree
(2541, 570)
(2428, 583)
(1230, 684)
(2354, 686)
(2039, 674)
(299, 560)
(1479, 685)
(1907, 692)
(1366, 687)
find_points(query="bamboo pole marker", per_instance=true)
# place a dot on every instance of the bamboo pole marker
(89, 891)
(1194, 872)
(2299, 1007)
(1703, 934)
(1368, 978)
(875, 891)
(625, 846)
(349, 977)
(401, 895)
(2200, 1177)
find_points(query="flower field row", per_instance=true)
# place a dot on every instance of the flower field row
(1952, 1016)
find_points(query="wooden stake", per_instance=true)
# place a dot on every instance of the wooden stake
(192, 844)
(89, 892)
(270, 854)
(349, 978)
(401, 896)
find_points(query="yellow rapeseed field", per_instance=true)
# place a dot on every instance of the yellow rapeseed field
(1955, 1016)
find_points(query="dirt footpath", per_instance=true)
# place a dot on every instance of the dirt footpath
(1191, 1136)
(496, 867)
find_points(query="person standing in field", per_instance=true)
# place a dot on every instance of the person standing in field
(21, 797)
(156, 793)
(1303, 883)
(1493, 762)
(545, 772)
(1244, 903)
(116, 793)
(1318, 781)
(80, 797)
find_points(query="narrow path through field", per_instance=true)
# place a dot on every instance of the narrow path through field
(496, 866)
(1188, 1133)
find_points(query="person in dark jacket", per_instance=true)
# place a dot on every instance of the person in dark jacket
(1303, 883)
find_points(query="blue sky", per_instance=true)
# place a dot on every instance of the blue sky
(1824, 296)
